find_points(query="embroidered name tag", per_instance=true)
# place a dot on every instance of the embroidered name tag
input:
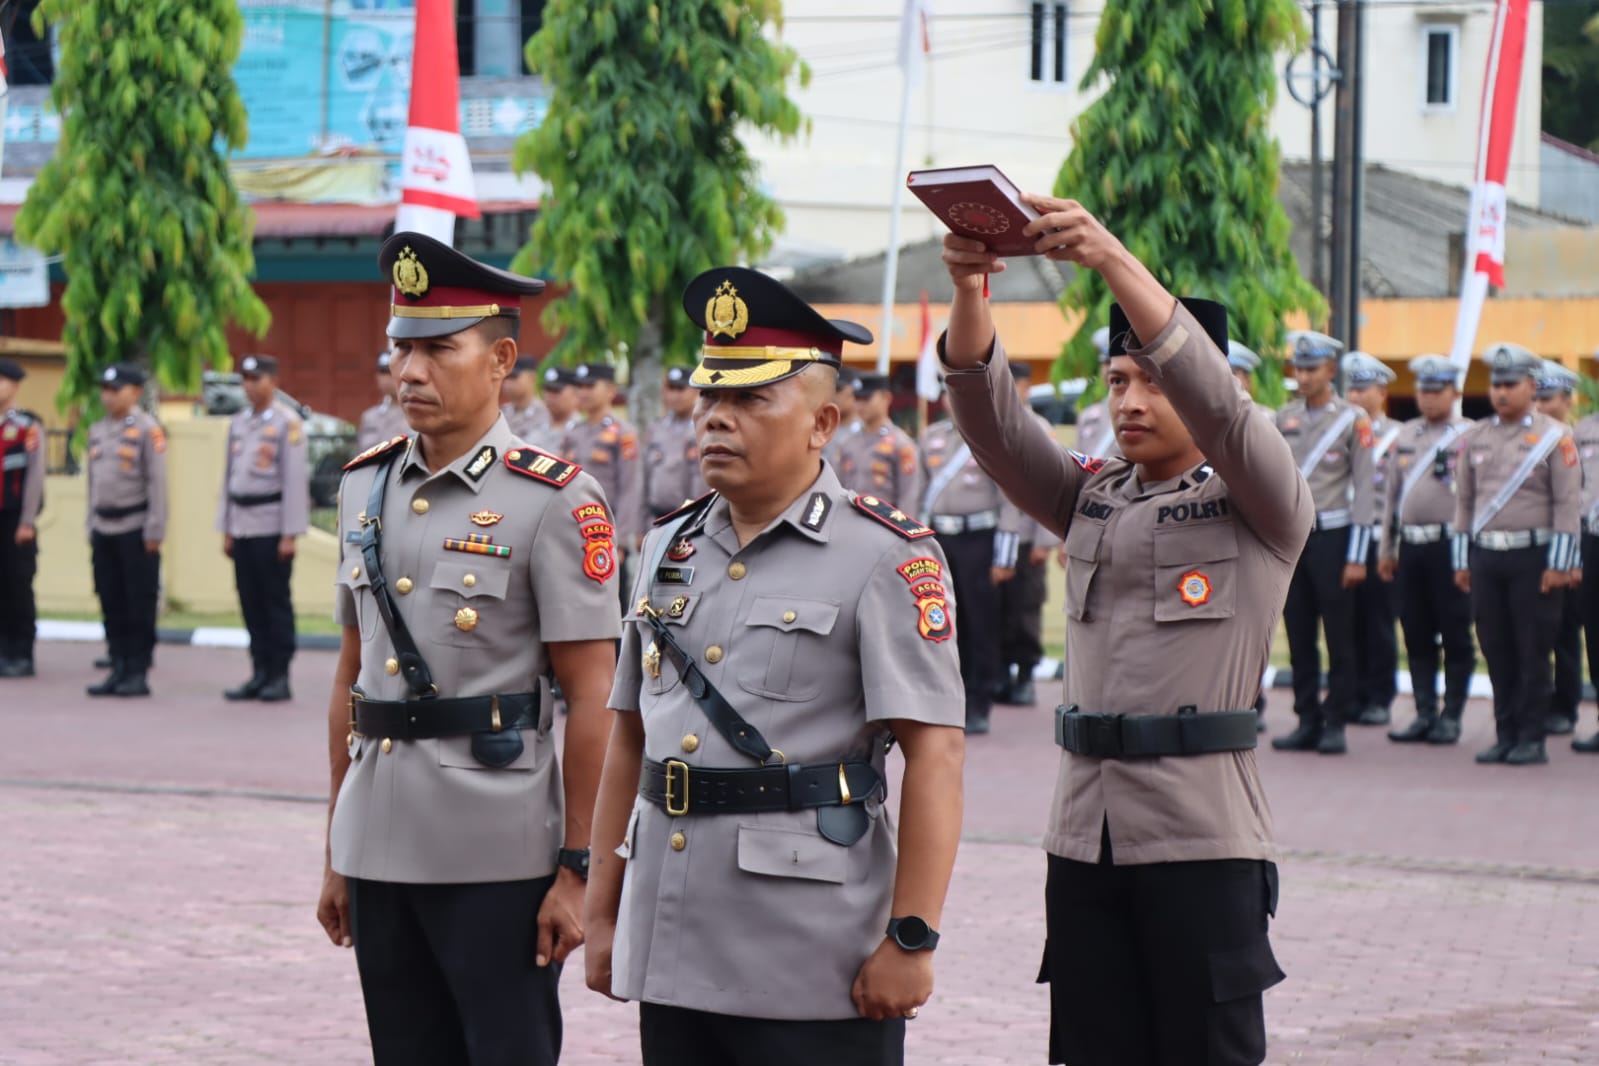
(674, 575)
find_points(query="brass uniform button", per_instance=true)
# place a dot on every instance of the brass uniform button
(419, 506)
(514, 456)
(736, 571)
(388, 745)
(789, 616)
(355, 573)
(391, 667)
(469, 580)
(349, 738)
(466, 619)
(403, 586)
(713, 654)
(679, 841)
(691, 743)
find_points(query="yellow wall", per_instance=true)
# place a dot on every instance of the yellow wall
(196, 575)
(37, 392)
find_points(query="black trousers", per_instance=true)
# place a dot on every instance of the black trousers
(1159, 965)
(673, 1036)
(1021, 612)
(263, 582)
(1588, 598)
(971, 564)
(1316, 594)
(18, 565)
(127, 579)
(1434, 612)
(1516, 628)
(1567, 691)
(448, 976)
(1376, 647)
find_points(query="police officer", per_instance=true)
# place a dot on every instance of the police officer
(980, 531)
(474, 568)
(1161, 879)
(127, 513)
(1021, 599)
(1095, 434)
(21, 497)
(1556, 398)
(1244, 361)
(881, 459)
(607, 446)
(1366, 381)
(672, 473)
(383, 420)
(848, 422)
(1413, 552)
(524, 413)
(1332, 444)
(560, 404)
(263, 509)
(746, 888)
(1517, 506)
(1587, 437)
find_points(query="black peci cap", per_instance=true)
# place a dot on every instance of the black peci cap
(10, 368)
(1212, 318)
(115, 377)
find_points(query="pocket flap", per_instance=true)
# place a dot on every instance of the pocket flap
(1082, 540)
(775, 852)
(1185, 543)
(354, 575)
(1246, 971)
(456, 753)
(492, 578)
(789, 613)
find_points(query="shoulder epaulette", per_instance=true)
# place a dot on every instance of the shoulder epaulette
(892, 517)
(375, 451)
(683, 510)
(541, 466)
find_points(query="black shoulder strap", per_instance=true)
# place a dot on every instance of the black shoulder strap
(412, 665)
(744, 737)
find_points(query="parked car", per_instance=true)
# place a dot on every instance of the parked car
(1058, 404)
(330, 440)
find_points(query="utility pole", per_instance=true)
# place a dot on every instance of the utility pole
(1357, 171)
(1343, 174)
(1318, 255)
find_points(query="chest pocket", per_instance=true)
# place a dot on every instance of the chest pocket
(360, 586)
(465, 599)
(676, 605)
(1082, 561)
(780, 648)
(1196, 572)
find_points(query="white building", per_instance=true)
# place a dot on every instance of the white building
(1001, 88)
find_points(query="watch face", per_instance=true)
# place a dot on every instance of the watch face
(911, 933)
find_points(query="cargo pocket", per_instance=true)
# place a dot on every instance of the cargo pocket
(777, 630)
(797, 853)
(465, 595)
(356, 579)
(1196, 572)
(456, 753)
(1238, 976)
(1082, 561)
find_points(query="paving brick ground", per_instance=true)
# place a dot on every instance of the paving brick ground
(159, 862)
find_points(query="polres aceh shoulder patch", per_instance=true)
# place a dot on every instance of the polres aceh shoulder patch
(892, 517)
(376, 450)
(541, 466)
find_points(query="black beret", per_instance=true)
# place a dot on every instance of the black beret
(12, 369)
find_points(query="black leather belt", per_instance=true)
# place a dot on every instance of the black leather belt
(255, 501)
(416, 719)
(111, 514)
(1142, 736)
(680, 789)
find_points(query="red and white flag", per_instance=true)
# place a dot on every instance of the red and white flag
(1485, 225)
(435, 170)
(928, 384)
(915, 40)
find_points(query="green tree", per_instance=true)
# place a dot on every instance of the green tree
(1571, 72)
(1178, 160)
(649, 182)
(154, 239)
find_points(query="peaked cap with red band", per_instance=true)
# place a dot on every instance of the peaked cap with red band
(758, 332)
(438, 291)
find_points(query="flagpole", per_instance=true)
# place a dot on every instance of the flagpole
(885, 339)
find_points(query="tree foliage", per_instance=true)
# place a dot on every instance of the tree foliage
(138, 200)
(648, 180)
(1177, 158)
(1571, 72)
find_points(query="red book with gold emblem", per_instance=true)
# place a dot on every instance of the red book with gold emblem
(977, 202)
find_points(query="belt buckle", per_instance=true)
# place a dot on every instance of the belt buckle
(680, 768)
(350, 707)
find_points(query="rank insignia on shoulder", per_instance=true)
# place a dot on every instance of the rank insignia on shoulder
(892, 517)
(541, 466)
(375, 451)
(1092, 465)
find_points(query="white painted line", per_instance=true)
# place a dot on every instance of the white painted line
(215, 637)
(56, 629)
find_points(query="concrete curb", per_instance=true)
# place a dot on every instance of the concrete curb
(203, 637)
(1481, 687)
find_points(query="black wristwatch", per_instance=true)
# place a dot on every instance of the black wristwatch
(574, 859)
(912, 933)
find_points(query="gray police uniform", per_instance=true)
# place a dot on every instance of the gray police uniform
(380, 422)
(127, 508)
(672, 470)
(608, 449)
(21, 497)
(1021, 608)
(1375, 608)
(883, 462)
(528, 423)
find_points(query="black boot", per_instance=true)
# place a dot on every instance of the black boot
(133, 681)
(976, 716)
(1589, 746)
(1415, 732)
(1503, 746)
(1375, 714)
(108, 687)
(1445, 730)
(1558, 725)
(276, 687)
(103, 663)
(1527, 753)
(17, 667)
(1332, 740)
(1305, 738)
(1022, 693)
(251, 689)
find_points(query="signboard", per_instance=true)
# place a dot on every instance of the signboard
(24, 276)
